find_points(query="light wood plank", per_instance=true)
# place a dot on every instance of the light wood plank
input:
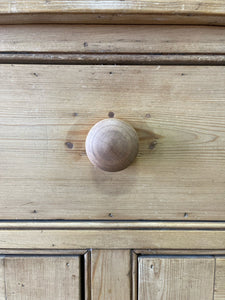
(219, 293)
(113, 239)
(42, 278)
(113, 39)
(111, 274)
(179, 172)
(113, 6)
(175, 278)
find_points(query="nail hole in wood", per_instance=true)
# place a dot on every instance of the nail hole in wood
(111, 114)
(69, 145)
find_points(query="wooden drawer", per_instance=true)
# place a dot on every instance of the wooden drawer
(154, 230)
(177, 111)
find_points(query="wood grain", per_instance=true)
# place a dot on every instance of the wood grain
(175, 278)
(219, 293)
(113, 6)
(112, 39)
(41, 278)
(47, 111)
(113, 239)
(111, 274)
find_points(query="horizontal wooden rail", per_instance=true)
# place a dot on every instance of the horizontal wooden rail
(111, 39)
(111, 225)
(112, 239)
(115, 11)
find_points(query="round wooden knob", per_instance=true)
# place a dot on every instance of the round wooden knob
(112, 145)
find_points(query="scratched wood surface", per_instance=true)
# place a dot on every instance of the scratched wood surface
(47, 111)
(111, 277)
(175, 278)
(100, 39)
(36, 278)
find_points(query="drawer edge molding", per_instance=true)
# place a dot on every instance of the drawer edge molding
(111, 225)
(110, 59)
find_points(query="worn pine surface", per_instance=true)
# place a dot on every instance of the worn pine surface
(111, 277)
(175, 278)
(113, 6)
(47, 111)
(100, 39)
(36, 278)
(113, 239)
(197, 12)
(219, 293)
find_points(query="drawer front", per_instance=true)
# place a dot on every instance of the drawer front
(177, 111)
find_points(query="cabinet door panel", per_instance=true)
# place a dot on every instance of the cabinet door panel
(43, 277)
(166, 278)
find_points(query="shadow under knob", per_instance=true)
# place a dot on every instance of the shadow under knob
(112, 145)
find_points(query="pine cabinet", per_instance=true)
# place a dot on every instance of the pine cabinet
(155, 229)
